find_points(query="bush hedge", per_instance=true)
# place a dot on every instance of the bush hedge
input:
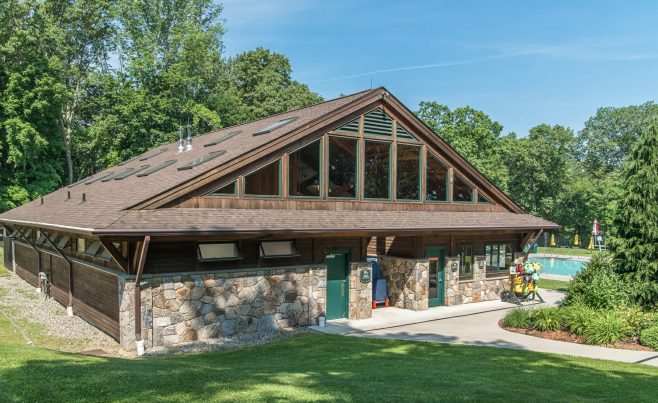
(598, 286)
(649, 337)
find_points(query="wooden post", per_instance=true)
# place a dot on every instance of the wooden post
(69, 308)
(138, 290)
(116, 254)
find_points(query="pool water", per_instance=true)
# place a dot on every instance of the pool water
(559, 266)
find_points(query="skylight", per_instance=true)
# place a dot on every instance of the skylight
(110, 177)
(201, 160)
(131, 172)
(102, 177)
(223, 138)
(153, 155)
(274, 126)
(156, 168)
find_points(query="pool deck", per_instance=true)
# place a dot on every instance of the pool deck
(553, 255)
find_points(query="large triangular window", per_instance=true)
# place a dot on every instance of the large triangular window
(377, 122)
(462, 191)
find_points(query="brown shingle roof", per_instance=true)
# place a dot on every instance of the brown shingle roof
(106, 202)
(193, 220)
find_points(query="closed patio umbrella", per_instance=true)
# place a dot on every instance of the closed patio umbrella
(576, 241)
(553, 243)
(591, 243)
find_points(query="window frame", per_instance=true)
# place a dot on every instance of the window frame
(280, 174)
(390, 168)
(487, 255)
(462, 274)
(420, 172)
(452, 194)
(321, 171)
(263, 255)
(199, 257)
(447, 185)
(235, 190)
(357, 167)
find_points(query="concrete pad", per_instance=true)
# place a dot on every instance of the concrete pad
(474, 324)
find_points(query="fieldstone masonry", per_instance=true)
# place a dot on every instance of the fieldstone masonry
(480, 288)
(178, 309)
(360, 293)
(407, 281)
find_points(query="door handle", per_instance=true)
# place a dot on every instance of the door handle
(342, 288)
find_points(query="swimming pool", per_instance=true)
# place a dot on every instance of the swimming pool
(559, 266)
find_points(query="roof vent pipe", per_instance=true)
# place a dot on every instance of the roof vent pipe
(42, 201)
(188, 146)
(180, 140)
(68, 195)
(84, 197)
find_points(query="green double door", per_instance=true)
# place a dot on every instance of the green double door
(337, 285)
(436, 290)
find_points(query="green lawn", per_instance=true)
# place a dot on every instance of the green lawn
(553, 284)
(322, 367)
(3, 271)
(567, 251)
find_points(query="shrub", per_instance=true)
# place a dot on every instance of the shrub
(545, 319)
(518, 318)
(607, 327)
(649, 337)
(638, 320)
(576, 318)
(598, 286)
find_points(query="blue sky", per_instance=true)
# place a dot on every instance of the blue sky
(522, 62)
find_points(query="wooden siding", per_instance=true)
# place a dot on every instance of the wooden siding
(365, 205)
(180, 256)
(95, 292)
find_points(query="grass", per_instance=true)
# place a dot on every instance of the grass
(553, 284)
(312, 367)
(566, 251)
(3, 271)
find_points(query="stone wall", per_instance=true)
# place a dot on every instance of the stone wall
(178, 309)
(407, 281)
(480, 288)
(360, 293)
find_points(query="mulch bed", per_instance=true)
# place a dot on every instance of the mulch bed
(561, 335)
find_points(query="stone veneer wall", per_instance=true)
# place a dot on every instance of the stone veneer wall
(407, 281)
(480, 288)
(192, 307)
(360, 293)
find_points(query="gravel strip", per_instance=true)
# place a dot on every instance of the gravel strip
(19, 301)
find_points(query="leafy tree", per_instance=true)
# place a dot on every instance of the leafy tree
(472, 133)
(31, 97)
(261, 81)
(635, 244)
(608, 136)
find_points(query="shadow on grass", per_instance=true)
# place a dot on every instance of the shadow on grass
(324, 367)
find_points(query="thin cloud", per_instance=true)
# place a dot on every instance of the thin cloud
(582, 52)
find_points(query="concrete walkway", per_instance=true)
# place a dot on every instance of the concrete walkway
(473, 324)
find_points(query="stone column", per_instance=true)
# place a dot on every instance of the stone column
(360, 298)
(453, 296)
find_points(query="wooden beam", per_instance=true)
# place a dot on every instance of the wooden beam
(138, 287)
(116, 254)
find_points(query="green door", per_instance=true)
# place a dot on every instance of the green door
(437, 255)
(337, 285)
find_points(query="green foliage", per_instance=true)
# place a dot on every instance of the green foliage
(547, 319)
(607, 327)
(577, 318)
(635, 242)
(519, 318)
(649, 337)
(639, 319)
(473, 134)
(597, 285)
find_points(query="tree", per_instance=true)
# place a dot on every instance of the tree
(539, 166)
(635, 243)
(608, 136)
(31, 97)
(261, 81)
(472, 133)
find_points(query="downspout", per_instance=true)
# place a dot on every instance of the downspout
(138, 296)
